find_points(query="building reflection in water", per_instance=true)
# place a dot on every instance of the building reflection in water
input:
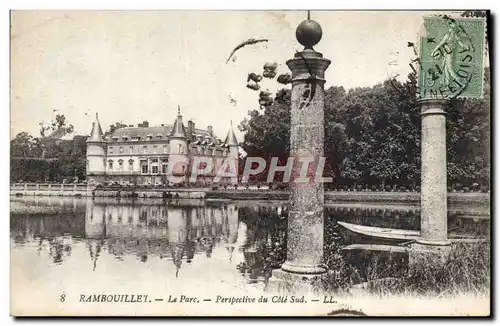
(176, 230)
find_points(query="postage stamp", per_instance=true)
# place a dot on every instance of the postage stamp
(451, 57)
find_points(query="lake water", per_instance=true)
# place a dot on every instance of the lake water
(180, 244)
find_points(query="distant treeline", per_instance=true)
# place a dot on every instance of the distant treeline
(47, 160)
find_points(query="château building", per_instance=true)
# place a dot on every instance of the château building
(162, 155)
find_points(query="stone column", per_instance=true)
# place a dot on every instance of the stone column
(433, 247)
(306, 216)
(433, 196)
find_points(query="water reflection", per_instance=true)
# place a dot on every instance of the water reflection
(171, 230)
(470, 221)
(249, 236)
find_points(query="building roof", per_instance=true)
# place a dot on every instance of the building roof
(162, 133)
(96, 133)
(178, 129)
(231, 137)
(142, 132)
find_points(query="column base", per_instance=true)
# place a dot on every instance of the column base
(284, 282)
(428, 253)
(428, 242)
(303, 269)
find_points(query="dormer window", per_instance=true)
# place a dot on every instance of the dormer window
(125, 137)
(115, 138)
(159, 136)
(149, 136)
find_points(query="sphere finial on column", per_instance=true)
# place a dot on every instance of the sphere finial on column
(309, 33)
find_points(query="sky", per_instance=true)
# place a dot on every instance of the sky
(131, 66)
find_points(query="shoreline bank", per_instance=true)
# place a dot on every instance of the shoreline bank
(243, 194)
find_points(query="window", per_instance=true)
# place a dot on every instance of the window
(154, 166)
(131, 149)
(145, 149)
(165, 149)
(120, 165)
(164, 165)
(144, 166)
(144, 215)
(131, 165)
(110, 165)
(121, 149)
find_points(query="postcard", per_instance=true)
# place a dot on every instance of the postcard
(250, 163)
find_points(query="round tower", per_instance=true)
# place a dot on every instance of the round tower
(96, 154)
(178, 162)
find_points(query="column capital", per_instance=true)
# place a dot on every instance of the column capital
(306, 66)
(433, 101)
(432, 106)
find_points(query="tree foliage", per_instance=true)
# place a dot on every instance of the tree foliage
(372, 134)
(113, 127)
(48, 158)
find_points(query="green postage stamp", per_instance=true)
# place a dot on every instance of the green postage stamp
(451, 57)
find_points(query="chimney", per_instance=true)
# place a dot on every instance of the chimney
(210, 130)
(191, 129)
(145, 123)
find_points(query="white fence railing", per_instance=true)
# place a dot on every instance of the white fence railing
(49, 186)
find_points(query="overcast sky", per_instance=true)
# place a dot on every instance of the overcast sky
(132, 66)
